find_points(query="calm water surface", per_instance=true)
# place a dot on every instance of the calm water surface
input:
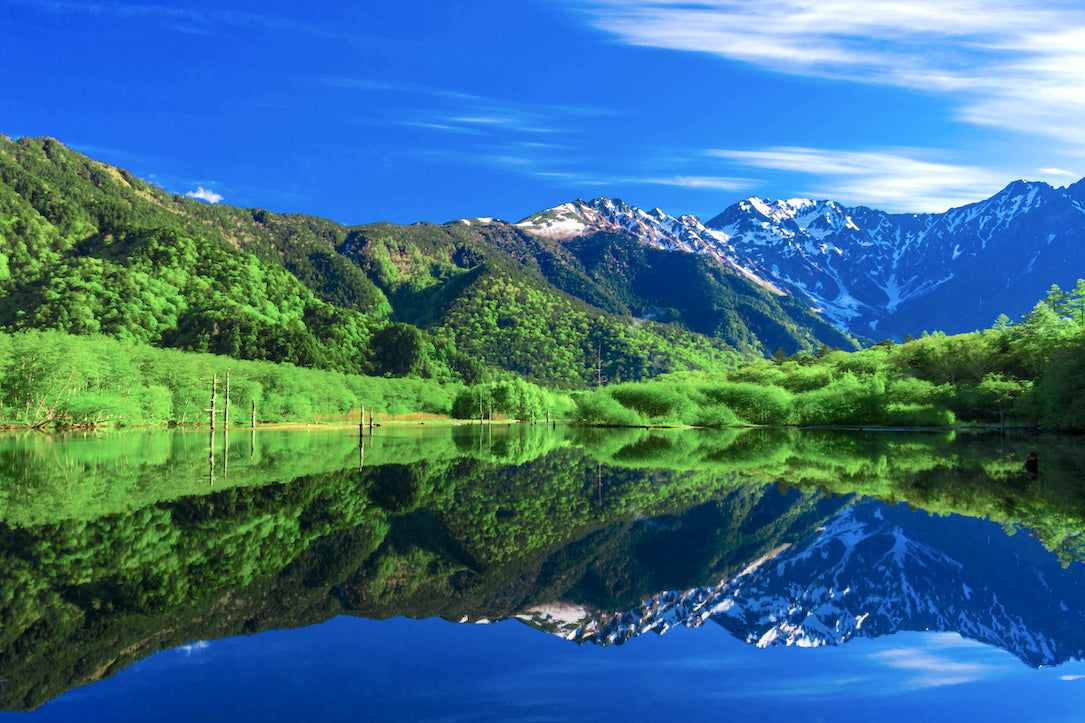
(444, 573)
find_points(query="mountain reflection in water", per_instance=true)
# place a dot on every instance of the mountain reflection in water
(120, 545)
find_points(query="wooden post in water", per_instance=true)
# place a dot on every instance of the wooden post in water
(226, 403)
(214, 393)
(361, 425)
(211, 458)
(252, 438)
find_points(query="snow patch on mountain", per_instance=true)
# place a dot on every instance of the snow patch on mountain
(655, 228)
(860, 267)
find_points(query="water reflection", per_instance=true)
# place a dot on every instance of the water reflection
(115, 546)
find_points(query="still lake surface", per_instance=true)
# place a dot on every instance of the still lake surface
(535, 572)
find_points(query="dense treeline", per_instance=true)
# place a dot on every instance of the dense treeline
(1027, 374)
(49, 378)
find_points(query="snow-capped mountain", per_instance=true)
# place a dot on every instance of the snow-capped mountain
(873, 570)
(874, 273)
(685, 233)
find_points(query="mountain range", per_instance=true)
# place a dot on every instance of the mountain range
(872, 273)
(573, 296)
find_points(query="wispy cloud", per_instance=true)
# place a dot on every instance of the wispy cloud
(484, 121)
(205, 194)
(1013, 64)
(180, 18)
(1057, 172)
(442, 108)
(894, 180)
(933, 669)
(718, 183)
(448, 128)
(385, 86)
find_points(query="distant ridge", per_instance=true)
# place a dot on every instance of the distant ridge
(873, 273)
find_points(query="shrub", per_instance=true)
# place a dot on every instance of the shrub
(600, 408)
(918, 415)
(655, 400)
(752, 403)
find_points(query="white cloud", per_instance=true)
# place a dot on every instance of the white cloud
(441, 127)
(718, 183)
(450, 109)
(205, 194)
(182, 19)
(934, 671)
(1057, 172)
(892, 180)
(1014, 64)
(483, 120)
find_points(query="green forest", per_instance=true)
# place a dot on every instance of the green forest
(1025, 374)
(87, 248)
(53, 379)
(120, 302)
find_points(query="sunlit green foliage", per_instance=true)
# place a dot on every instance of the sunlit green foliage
(89, 249)
(48, 378)
(1026, 374)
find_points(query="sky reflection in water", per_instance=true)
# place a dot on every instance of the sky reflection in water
(402, 669)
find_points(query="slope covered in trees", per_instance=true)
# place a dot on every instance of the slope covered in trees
(1025, 374)
(88, 248)
(49, 378)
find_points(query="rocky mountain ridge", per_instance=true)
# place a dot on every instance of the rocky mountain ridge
(873, 273)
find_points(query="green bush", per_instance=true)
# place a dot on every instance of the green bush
(656, 401)
(917, 415)
(752, 403)
(716, 416)
(600, 408)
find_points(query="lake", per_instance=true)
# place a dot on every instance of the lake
(541, 572)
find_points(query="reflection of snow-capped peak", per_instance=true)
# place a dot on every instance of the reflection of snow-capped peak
(869, 573)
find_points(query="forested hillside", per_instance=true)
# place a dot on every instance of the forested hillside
(1029, 374)
(88, 248)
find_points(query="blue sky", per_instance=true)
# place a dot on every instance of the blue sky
(420, 110)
